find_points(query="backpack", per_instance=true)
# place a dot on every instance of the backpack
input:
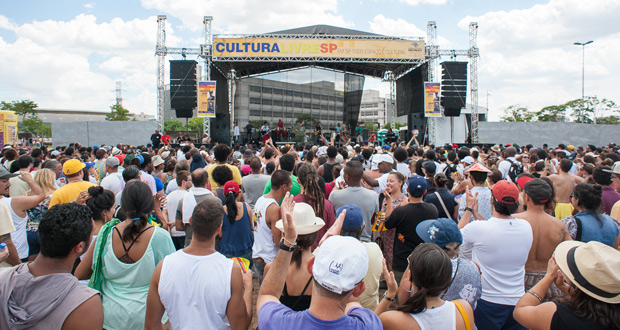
(516, 168)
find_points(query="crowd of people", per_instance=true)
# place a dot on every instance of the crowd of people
(349, 236)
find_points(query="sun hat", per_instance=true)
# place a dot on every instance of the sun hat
(248, 153)
(116, 151)
(353, 220)
(615, 168)
(592, 267)
(340, 264)
(504, 189)
(5, 174)
(440, 232)
(157, 160)
(231, 187)
(306, 222)
(72, 166)
(477, 168)
(165, 154)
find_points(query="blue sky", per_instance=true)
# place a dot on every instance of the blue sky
(70, 54)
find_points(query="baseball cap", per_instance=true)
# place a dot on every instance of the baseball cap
(429, 166)
(5, 174)
(521, 181)
(55, 153)
(615, 168)
(416, 184)
(112, 162)
(72, 166)
(354, 219)
(468, 160)
(538, 190)
(380, 158)
(231, 187)
(246, 169)
(248, 153)
(340, 263)
(88, 165)
(120, 158)
(503, 190)
(440, 232)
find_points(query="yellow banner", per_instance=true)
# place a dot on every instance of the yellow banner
(431, 99)
(8, 128)
(206, 99)
(325, 48)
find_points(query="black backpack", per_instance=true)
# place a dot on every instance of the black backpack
(516, 168)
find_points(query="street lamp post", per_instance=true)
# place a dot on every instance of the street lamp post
(583, 55)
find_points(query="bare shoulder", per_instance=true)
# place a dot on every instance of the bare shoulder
(398, 320)
(89, 315)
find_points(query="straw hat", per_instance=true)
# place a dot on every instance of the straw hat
(306, 222)
(593, 267)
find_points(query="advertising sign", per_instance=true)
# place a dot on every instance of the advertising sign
(431, 99)
(206, 99)
(8, 128)
(323, 48)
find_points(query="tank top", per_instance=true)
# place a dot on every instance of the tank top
(564, 318)
(237, 238)
(19, 236)
(263, 247)
(442, 317)
(296, 303)
(190, 297)
(327, 172)
(466, 283)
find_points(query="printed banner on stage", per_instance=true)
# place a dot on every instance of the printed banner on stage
(431, 99)
(206, 99)
(8, 128)
(324, 48)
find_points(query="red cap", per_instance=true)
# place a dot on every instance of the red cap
(504, 189)
(523, 180)
(231, 187)
(455, 146)
(120, 157)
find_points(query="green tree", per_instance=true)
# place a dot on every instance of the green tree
(371, 126)
(308, 119)
(22, 108)
(398, 125)
(118, 113)
(517, 113)
(195, 124)
(387, 125)
(35, 126)
(552, 113)
(173, 126)
(591, 109)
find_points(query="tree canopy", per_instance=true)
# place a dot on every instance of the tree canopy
(118, 113)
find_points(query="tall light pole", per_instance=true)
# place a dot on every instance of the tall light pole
(583, 56)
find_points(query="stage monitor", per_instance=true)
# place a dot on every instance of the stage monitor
(410, 91)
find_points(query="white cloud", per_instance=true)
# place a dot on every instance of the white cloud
(248, 16)
(419, 2)
(400, 27)
(90, 5)
(75, 64)
(528, 56)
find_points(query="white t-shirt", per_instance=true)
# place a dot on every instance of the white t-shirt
(404, 170)
(189, 201)
(190, 297)
(500, 247)
(148, 179)
(172, 203)
(113, 182)
(504, 167)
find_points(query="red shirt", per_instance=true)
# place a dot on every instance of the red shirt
(165, 139)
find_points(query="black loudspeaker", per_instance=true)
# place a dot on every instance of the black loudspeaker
(410, 91)
(183, 89)
(453, 87)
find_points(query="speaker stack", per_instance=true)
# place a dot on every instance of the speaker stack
(183, 89)
(453, 87)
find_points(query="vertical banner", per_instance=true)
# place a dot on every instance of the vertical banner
(206, 99)
(8, 128)
(431, 99)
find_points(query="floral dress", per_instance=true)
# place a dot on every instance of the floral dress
(386, 238)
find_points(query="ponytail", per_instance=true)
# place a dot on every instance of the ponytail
(231, 207)
(416, 303)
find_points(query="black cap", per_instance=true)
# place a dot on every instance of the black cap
(5, 174)
(538, 190)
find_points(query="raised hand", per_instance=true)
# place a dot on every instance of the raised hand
(390, 280)
(286, 212)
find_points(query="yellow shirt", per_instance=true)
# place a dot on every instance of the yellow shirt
(235, 172)
(6, 227)
(69, 192)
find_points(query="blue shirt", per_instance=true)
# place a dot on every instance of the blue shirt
(277, 316)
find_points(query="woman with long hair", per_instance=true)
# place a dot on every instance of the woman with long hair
(589, 224)
(46, 179)
(101, 204)
(313, 195)
(589, 276)
(297, 291)
(393, 198)
(442, 198)
(237, 226)
(125, 256)
(429, 273)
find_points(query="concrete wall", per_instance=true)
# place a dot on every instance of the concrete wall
(550, 133)
(109, 133)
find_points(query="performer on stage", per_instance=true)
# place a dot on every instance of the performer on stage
(317, 133)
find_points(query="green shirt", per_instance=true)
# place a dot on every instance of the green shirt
(295, 190)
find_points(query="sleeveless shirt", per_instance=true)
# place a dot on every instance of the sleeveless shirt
(263, 247)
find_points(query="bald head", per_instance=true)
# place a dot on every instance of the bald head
(200, 178)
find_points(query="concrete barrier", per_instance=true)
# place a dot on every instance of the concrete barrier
(96, 133)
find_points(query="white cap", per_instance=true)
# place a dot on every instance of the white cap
(380, 158)
(340, 264)
(468, 160)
